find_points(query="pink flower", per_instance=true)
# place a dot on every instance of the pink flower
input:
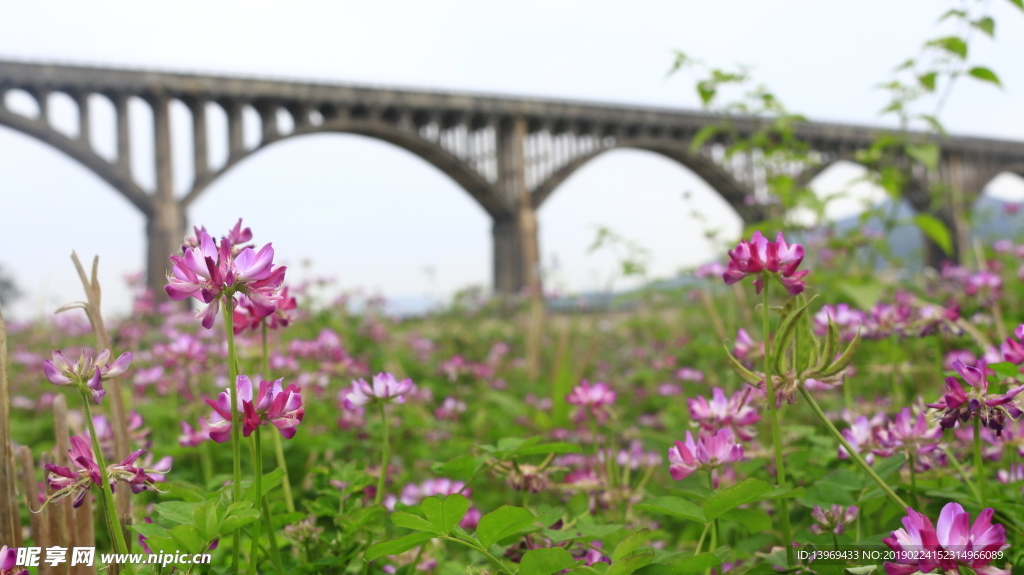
(690, 374)
(985, 283)
(847, 319)
(247, 316)
(237, 235)
(954, 541)
(450, 408)
(834, 520)
(87, 374)
(962, 404)
(67, 482)
(720, 412)
(592, 399)
(272, 405)
(862, 436)
(9, 561)
(745, 347)
(1013, 349)
(761, 257)
(963, 355)
(192, 437)
(709, 452)
(206, 270)
(713, 269)
(914, 438)
(385, 388)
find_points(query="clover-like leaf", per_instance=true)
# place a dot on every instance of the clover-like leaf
(502, 522)
(396, 546)
(445, 513)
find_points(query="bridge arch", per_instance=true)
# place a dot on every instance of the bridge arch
(733, 192)
(80, 151)
(463, 175)
(648, 200)
(335, 200)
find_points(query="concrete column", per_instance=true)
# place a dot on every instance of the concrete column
(508, 255)
(236, 143)
(201, 156)
(124, 142)
(165, 228)
(516, 253)
(84, 125)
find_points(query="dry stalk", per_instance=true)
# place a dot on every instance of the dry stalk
(10, 528)
(119, 421)
(54, 519)
(36, 521)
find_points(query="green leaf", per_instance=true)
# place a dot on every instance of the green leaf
(865, 294)
(927, 154)
(755, 520)
(630, 544)
(206, 520)
(150, 530)
(987, 25)
(928, 80)
(885, 468)
(1005, 369)
(502, 522)
(674, 506)
(396, 546)
(547, 448)
(952, 44)
(237, 515)
(936, 231)
(445, 513)
(1018, 3)
(824, 494)
(410, 521)
(985, 75)
(269, 481)
(783, 492)
(188, 538)
(177, 511)
(731, 497)
(703, 135)
(630, 564)
(545, 561)
(461, 468)
(697, 564)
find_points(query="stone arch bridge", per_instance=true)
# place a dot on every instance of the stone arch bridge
(508, 153)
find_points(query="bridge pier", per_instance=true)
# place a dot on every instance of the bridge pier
(165, 231)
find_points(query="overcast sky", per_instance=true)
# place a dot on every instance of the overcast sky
(376, 217)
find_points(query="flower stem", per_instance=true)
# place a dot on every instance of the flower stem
(113, 525)
(275, 553)
(286, 485)
(913, 480)
(384, 456)
(700, 542)
(482, 551)
(846, 445)
(257, 464)
(979, 462)
(780, 470)
(236, 424)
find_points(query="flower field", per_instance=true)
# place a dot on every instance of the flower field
(280, 435)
